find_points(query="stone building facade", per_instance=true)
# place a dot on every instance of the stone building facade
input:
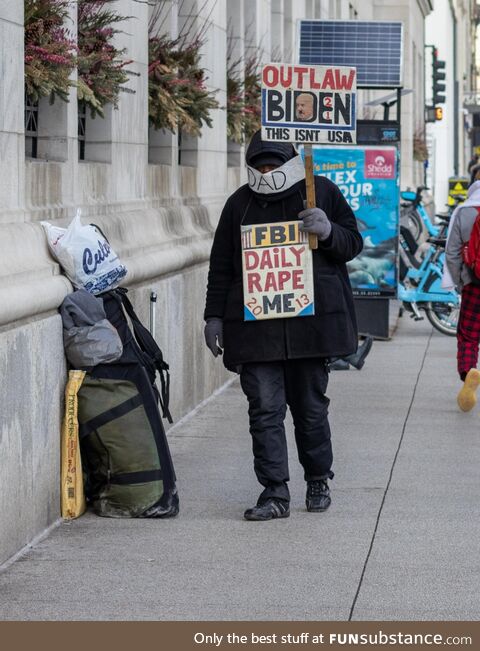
(451, 28)
(158, 205)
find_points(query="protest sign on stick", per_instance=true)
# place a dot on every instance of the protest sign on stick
(309, 105)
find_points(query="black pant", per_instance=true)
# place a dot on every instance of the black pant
(270, 387)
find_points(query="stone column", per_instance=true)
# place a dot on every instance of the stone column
(130, 121)
(236, 60)
(12, 145)
(212, 143)
(278, 16)
(258, 33)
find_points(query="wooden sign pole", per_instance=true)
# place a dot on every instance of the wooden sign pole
(310, 183)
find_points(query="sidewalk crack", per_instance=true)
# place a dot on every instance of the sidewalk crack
(379, 514)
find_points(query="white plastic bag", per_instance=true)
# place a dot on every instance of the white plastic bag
(85, 255)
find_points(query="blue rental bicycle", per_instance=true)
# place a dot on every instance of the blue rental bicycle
(414, 216)
(420, 283)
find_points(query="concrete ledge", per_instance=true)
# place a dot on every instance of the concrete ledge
(151, 243)
(25, 300)
(31, 385)
(161, 262)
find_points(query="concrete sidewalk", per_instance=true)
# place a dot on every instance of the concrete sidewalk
(400, 541)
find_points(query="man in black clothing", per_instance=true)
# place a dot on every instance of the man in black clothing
(284, 361)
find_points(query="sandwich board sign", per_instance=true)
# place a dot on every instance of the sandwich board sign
(277, 271)
(309, 104)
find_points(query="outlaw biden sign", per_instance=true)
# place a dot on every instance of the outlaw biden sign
(308, 104)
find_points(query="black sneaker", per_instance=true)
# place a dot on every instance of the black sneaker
(268, 510)
(318, 496)
(358, 359)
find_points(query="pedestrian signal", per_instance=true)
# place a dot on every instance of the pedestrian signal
(438, 113)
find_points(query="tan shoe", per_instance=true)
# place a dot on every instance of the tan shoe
(466, 398)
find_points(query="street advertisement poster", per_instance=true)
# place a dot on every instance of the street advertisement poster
(309, 104)
(277, 271)
(368, 178)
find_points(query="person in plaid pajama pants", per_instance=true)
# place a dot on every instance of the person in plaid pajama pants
(461, 276)
(468, 331)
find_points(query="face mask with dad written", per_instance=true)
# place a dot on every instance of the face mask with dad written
(278, 180)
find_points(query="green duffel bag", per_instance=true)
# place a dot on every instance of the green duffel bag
(124, 448)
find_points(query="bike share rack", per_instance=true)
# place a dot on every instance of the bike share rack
(373, 314)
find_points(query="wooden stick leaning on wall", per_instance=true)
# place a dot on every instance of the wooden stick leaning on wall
(310, 183)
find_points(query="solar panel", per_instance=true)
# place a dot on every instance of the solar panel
(373, 47)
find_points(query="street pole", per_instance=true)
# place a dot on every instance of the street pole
(456, 113)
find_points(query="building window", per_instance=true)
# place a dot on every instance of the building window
(45, 130)
(82, 127)
(94, 135)
(31, 128)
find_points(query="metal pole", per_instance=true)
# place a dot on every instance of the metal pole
(456, 94)
(153, 304)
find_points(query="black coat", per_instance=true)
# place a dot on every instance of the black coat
(332, 331)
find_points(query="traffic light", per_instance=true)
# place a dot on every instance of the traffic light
(438, 79)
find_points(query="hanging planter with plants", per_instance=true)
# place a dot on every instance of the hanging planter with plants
(178, 98)
(49, 50)
(235, 102)
(253, 97)
(420, 150)
(102, 69)
(243, 101)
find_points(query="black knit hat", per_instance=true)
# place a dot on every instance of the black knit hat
(260, 152)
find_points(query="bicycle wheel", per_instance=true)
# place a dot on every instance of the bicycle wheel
(443, 317)
(411, 220)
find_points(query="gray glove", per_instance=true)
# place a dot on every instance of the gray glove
(214, 332)
(315, 221)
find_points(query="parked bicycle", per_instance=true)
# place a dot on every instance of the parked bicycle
(414, 216)
(420, 283)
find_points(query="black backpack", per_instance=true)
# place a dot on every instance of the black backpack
(124, 448)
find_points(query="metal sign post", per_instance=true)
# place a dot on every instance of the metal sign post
(153, 305)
